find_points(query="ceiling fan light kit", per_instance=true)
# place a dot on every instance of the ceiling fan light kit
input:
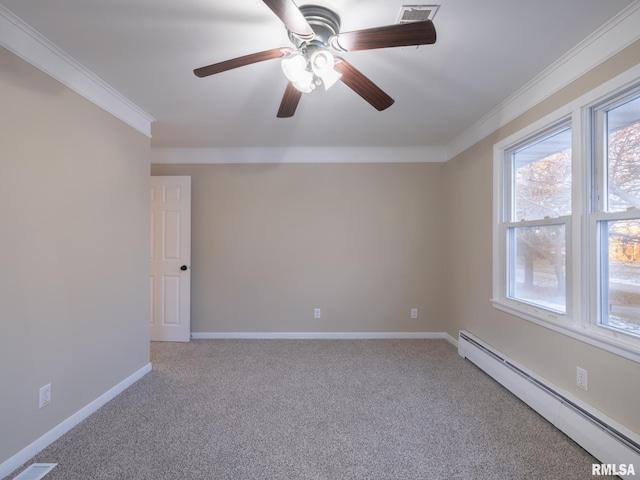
(315, 32)
(306, 70)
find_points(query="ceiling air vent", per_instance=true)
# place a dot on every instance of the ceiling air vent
(416, 13)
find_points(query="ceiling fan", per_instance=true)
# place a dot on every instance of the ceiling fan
(315, 33)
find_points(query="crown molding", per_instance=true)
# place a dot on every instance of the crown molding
(299, 155)
(21, 39)
(618, 33)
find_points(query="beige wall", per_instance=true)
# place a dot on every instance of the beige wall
(270, 243)
(364, 242)
(614, 383)
(73, 252)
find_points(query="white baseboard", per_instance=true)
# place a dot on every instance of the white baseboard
(322, 335)
(52, 435)
(450, 339)
(604, 438)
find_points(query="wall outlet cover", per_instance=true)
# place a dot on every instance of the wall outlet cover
(581, 378)
(44, 396)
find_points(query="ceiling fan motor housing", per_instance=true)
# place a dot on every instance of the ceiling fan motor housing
(323, 21)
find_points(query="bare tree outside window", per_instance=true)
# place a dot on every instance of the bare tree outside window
(567, 205)
(623, 157)
(542, 190)
(623, 236)
(543, 187)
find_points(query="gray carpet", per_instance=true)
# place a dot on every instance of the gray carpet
(314, 409)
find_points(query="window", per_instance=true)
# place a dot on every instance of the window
(615, 225)
(537, 211)
(566, 249)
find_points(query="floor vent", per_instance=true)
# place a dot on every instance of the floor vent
(35, 471)
(416, 13)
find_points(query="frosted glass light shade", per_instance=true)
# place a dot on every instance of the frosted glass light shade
(322, 64)
(294, 67)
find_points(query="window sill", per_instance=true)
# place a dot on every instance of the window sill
(605, 339)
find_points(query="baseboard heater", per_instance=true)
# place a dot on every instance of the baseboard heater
(601, 436)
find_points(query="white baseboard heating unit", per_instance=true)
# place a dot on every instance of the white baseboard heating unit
(611, 443)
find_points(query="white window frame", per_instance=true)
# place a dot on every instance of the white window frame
(595, 307)
(580, 319)
(502, 179)
(598, 214)
(506, 224)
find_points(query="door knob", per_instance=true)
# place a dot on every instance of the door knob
(183, 268)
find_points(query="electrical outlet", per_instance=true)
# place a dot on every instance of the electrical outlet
(317, 313)
(44, 397)
(581, 378)
(414, 313)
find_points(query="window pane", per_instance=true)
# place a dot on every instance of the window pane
(623, 156)
(538, 267)
(622, 275)
(542, 178)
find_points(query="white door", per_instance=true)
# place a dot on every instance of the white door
(170, 276)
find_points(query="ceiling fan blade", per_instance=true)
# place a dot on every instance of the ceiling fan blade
(241, 61)
(289, 101)
(404, 34)
(364, 87)
(292, 17)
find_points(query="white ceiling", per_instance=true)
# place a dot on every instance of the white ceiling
(147, 50)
